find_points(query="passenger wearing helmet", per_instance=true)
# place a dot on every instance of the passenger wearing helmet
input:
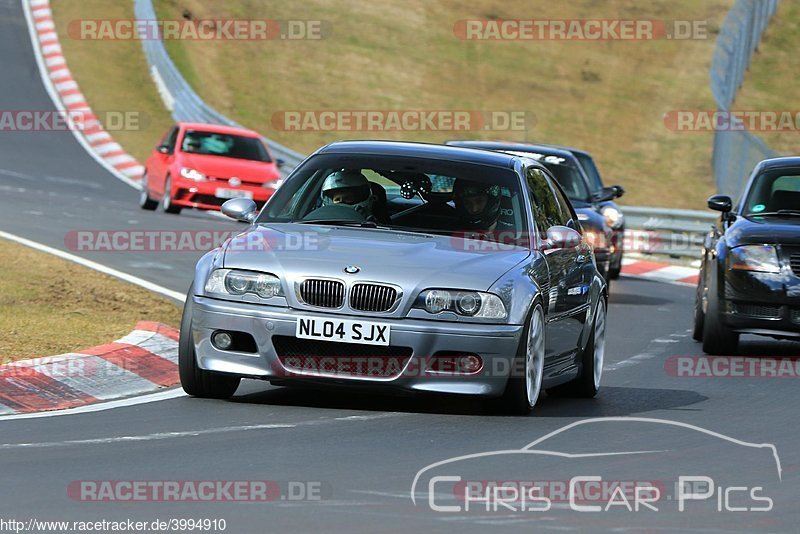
(478, 206)
(349, 188)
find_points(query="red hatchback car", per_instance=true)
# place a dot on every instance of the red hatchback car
(203, 165)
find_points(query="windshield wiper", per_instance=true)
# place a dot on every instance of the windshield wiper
(341, 222)
(785, 213)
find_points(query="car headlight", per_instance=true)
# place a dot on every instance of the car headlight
(192, 174)
(466, 303)
(231, 282)
(757, 258)
(595, 239)
(614, 218)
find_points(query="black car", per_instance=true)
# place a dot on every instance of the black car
(750, 275)
(605, 202)
(576, 184)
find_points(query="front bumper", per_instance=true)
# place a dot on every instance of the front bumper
(496, 344)
(759, 303)
(203, 195)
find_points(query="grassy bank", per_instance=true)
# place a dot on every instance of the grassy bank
(51, 306)
(605, 96)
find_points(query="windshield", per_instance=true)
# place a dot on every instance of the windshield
(225, 145)
(565, 171)
(773, 192)
(407, 194)
(571, 180)
(591, 171)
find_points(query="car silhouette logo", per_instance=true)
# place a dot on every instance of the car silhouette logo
(235, 182)
(351, 269)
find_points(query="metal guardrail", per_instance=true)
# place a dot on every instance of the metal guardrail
(737, 152)
(181, 100)
(676, 233)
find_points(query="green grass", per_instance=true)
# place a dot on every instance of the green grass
(606, 97)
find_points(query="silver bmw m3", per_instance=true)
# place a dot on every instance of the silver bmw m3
(402, 267)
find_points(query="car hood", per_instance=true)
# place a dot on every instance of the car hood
(221, 167)
(755, 230)
(412, 261)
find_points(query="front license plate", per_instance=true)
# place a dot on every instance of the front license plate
(233, 193)
(343, 330)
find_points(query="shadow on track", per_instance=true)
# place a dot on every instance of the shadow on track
(612, 401)
(636, 299)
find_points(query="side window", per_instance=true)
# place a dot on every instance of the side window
(563, 207)
(171, 138)
(545, 209)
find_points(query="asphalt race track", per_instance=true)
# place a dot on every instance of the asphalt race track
(361, 450)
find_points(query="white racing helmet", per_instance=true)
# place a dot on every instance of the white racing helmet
(350, 188)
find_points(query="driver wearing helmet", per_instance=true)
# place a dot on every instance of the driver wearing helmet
(478, 206)
(350, 188)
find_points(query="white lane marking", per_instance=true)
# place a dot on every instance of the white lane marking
(147, 437)
(653, 350)
(150, 265)
(15, 174)
(47, 81)
(158, 436)
(101, 407)
(96, 266)
(11, 189)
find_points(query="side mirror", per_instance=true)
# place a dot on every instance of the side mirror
(280, 162)
(164, 149)
(618, 190)
(721, 203)
(561, 237)
(241, 209)
(606, 194)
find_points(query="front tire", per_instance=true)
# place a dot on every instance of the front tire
(195, 381)
(145, 202)
(718, 339)
(587, 384)
(166, 200)
(522, 392)
(699, 314)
